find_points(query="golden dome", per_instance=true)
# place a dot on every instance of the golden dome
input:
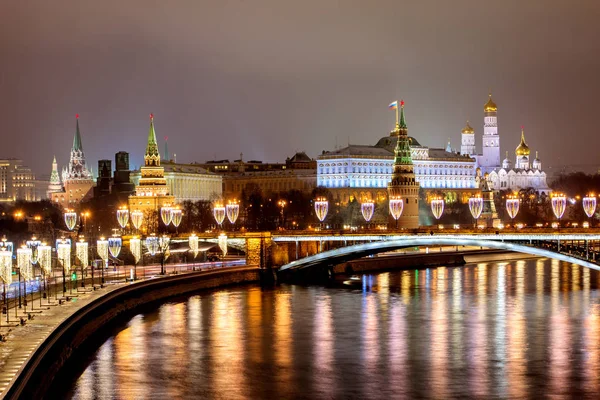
(522, 148)
(490, 106)
(468, 129)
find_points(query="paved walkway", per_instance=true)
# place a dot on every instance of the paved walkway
(26, 330)
(22, 340)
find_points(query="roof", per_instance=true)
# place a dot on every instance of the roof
(360, 150)
(300, 157)
(443, 154)
(389, 143)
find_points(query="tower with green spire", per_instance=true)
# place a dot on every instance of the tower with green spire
(77, 180)
(77, 169)
(403, 184)
(151, 192)
(55, 185)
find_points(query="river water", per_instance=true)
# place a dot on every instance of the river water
(517, 329)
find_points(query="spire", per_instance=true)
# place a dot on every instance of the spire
(402, 123)
(77, 139)
(152, 156)
(166, 156)
(449, 147)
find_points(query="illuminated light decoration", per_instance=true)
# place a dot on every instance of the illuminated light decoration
(512, 206)
(70, 219)
(559, 204)
(223, 243)
(63, 252)
(165, 214)
(135, 246)
(437, 207)
(476, 206)
(321, 208)
(123, 217)
(176, 215)
(589, 205)
(396, 206)
(81, 251)
(233, 210)
(137, 217)
(33, 244)
(164, 242)
(219, 213)
(102, 249)
(114, 246)
(193, 242)
(367, 209)
(24, 262)
(45, 258)
(152, 245)
(6, 266)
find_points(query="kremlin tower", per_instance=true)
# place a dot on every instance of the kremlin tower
(467, 143)
(77, 179)
(55, 185)
(403, 184)
(151, 192)
(490, 159)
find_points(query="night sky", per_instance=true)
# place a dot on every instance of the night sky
(268, 78)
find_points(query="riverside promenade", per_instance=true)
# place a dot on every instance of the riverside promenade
(26, 333)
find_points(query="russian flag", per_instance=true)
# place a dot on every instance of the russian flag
(393, 105)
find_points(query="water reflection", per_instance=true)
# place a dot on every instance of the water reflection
(517, 329)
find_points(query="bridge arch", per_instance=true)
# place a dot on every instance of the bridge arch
(340, 255)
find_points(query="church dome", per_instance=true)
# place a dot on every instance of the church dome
(490, 106)
(522, 149)
(468, 129)
(507, 164)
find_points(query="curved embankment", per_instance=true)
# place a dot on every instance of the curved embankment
(74, 333)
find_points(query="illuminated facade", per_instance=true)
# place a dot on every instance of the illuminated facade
(151, 190)
(363, 171)
(297, 173)
(189, 182)
(524, 174)
(76, 177)
(17, 181)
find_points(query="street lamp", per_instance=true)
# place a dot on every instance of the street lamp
(512, 206)
(476, 207)
(70, 217)
(25, 269)
(282, 203)
(559, 204)
(232, 209)
(367, 209)
(137, 217)
(81, 250)
(5, 274)
(102, 250)
(123, 216)
(152, 245)
(45, 260)
(219, 213)
(166, 215)
(589, 206)
(163, 242)
(222, 240)
(135, 246)
(321, 208)
(63, 252)
(114, 246)
(176, 216)
(396, 206)
(437, 207)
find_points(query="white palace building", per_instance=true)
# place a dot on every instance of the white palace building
(364, 171)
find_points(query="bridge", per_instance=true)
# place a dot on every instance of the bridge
(578, 248)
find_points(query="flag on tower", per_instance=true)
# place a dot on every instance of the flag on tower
(393, 105)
